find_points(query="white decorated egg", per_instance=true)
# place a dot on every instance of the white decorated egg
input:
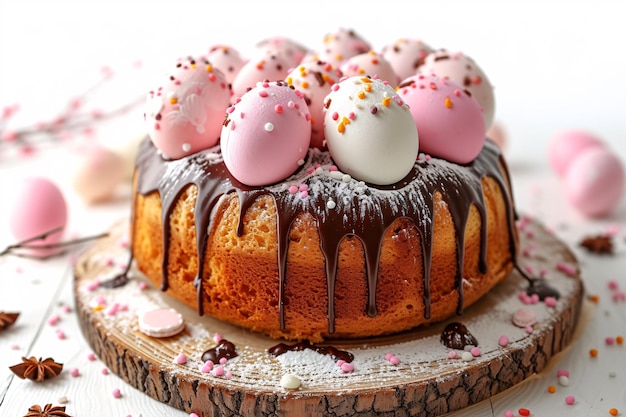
(369, 131)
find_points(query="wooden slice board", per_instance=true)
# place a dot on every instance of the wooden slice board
(426, 382)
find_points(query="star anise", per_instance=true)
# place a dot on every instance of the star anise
(37, 370)
(47, 411)
(601, 244)
(7, 319)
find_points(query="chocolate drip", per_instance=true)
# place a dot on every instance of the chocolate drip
(331, 351)
(361, 210)
(225, 349)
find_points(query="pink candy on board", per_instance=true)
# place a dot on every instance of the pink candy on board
(39, 207)
(594, 182)
(566, 145)
(185, 114)
(449, 122)
(267, 134)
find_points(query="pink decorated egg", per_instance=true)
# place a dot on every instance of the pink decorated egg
(565, 146)
(462, 70)
(266, 134)
(314, 80)
(185, 114)
(98, 174)
(226, 59)
(267, 66)
(369, 130)
(405, 55)
(342, 45)
(290, 50)
(449, 121)
(39, 208)
(372, 64)
(594, 182)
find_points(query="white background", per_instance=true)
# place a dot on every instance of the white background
(554, 64)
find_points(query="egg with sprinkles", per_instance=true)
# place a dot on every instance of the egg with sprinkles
(315, 80)
(266, 134)
(185, 114)
(369, 130)
(449, 121)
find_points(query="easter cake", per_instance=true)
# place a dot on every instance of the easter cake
(355, 215)
(321, 206)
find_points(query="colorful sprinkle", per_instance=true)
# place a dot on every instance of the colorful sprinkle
(181, 359)
(593, 353)
(269, 127)
(503, 341)
(564, 381)
(551, 389)
(613, 411)
(570, 400)
(525, 412)
(74, 372)
(117, 393)
(448, 102)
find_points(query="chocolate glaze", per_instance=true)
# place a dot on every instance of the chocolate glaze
(362, 210)
(225, 349)
(331, 351)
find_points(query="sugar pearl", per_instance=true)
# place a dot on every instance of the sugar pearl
(289, 381)
(467, 356)
(564, 381)
(570, 400)
(117, 393)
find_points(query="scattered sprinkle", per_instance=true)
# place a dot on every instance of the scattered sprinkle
(613, 411)
(551, 389)
(563, 381)
(62, 400)
(181, 359)
(105, 371)
(503, 341)
(467, 356)
(74, 372)
(525, 412)
(117, 393)
(269, 127)
(570, 400)
(593, 353)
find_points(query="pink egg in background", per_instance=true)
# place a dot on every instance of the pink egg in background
(566, 145)
(39, 207)
(594, 182)
(98, 174)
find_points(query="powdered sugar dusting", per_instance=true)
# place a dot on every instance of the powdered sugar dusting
(421, 354)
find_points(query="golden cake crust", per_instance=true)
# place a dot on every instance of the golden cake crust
(241, 279)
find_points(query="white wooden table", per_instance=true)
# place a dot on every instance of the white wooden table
(39, 290)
